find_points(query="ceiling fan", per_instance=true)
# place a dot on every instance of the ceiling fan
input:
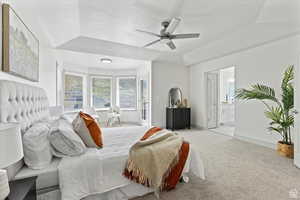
(166, 34)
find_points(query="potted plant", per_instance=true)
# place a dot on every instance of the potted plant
(280, 112)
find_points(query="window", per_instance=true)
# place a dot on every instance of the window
(73, 92)
(126, 92)
(101, 92)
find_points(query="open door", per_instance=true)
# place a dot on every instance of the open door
(212, 99)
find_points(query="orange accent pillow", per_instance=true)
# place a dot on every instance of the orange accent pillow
(150, 132)
(93, 127)
(88, 129)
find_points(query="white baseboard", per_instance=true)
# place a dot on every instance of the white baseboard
(256, 141)
(297, 160)
(220, 133)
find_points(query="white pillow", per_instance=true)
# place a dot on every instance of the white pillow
(37, 149)
(64, 141)
(69, 117)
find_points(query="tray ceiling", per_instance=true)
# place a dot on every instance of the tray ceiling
(112, 23)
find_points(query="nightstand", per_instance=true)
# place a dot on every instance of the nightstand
(23, 189)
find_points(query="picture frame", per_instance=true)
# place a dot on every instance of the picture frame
(20, 47)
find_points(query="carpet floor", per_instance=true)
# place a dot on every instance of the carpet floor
(236, 170)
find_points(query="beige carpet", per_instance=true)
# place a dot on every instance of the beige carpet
(236, 170)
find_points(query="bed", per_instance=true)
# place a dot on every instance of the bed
(27, 104)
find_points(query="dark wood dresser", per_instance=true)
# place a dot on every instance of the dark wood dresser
(178, 118)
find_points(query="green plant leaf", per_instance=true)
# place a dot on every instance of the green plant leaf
(276, 129)
(274, 114)
(288, 89)
(258, 91)
(288, 76)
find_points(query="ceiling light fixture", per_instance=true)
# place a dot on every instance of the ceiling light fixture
(106, 60)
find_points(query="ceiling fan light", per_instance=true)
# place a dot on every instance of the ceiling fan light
(106, 60)
(165, 41)
(173, 25)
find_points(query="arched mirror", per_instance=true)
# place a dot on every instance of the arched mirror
(175, 97)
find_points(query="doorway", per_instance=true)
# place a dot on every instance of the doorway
(220, 100)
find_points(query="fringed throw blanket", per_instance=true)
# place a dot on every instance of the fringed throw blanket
(157, 160)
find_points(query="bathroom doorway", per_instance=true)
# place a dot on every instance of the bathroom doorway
(220, 101)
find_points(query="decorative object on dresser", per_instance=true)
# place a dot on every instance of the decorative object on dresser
(4, 187)
(11, 148)
(24, 189)
(20, 46)
(185, 103)
(178, 118)
(175, 97)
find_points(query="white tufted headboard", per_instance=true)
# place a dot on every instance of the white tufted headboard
(22, 103)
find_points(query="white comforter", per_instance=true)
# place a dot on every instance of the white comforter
(99, 171)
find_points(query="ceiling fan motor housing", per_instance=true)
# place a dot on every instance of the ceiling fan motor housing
(165, 24)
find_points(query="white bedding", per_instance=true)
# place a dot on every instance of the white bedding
(99, 171)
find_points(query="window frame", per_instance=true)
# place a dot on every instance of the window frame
(83, 76)
(118, 92)
(91, 90)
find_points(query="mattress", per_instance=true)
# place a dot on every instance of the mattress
(47, 177)
(99, 170)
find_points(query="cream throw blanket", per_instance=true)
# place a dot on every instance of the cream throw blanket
(152, 159)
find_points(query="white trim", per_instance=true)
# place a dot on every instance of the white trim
(150, 95)
(256, 141)
(128, 109)
(297, 116)
(84, 88)
(91, 77)
(297, 159)
(220, 132)
(217, 72)
(136, 92)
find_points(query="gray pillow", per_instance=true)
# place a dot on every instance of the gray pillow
(64, 141)
(37, 149)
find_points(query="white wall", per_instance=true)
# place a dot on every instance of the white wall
(47, 55)
(164, 77)
(263, 64)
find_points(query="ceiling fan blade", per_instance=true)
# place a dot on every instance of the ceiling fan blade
(173, 25)
(146, 32)
(151, 43)
(171, 45)
(185, 36)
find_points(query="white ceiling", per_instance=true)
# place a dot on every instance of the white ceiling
(86, 60)
(108, 27)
